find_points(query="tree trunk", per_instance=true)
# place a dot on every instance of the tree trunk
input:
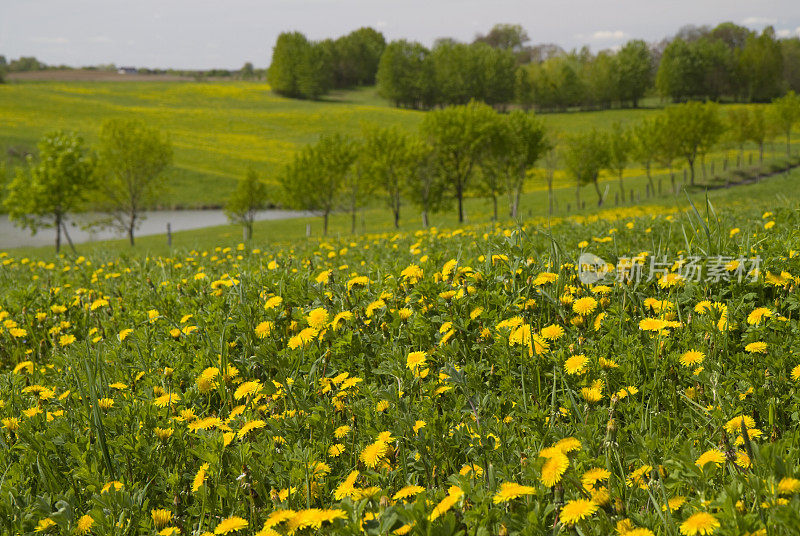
(515, 207)
(69, 240)
(691, 172)
(460, 196)
(325, 223)
(131, 227)
(494, 204)
(650, 178)
(396, 211)
(621, 186)
(58, 233)
(599, 194)
(353, 220)
(425, 219)
(578, 197)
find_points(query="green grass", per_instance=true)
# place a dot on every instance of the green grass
(779, 189)
(220, 128)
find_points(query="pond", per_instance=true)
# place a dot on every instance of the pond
(155, 222)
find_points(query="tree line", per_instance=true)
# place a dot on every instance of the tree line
(457, 152)
(726, 62)
(120, 177)
(306, 69)
(474, 150)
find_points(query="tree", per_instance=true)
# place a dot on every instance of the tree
(757, 131)
(458, 135)
(247, 72)
(790, 48)
(586, 155)
(57, 184)
(357, 57)
(505, 37)
(645, 146)
(784, 113)
(426, 186)
(619, 150)
(406, 76)
(289, 52)
(738, 127)
(516, 142)
(761, 62)
(131, 161)
(635, 66)
(250, 196)
(315, 179)
(357, 186)
(299, 68)
(551, 157)
(390, 158)
(695, 127)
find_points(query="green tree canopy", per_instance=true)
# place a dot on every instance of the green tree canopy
(250, 196)
(635, 66)
(315, 179)
(132, 159)
(586, 155)
(56, 184)
(458, 136)
(694, 127)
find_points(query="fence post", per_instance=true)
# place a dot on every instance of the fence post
(169, 235)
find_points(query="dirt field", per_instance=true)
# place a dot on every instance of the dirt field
(79, 75)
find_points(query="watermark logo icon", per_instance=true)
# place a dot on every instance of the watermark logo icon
(592, 268)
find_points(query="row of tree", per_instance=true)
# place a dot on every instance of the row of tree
(120, 177)
(687, 132)
(307, 69)
(726, 62)
(474, 150)
(458, 150)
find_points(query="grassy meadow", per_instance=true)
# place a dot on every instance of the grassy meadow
(429, 382)
(220, 128)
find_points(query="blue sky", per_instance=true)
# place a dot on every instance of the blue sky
(199, 34)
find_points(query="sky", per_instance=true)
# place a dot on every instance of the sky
(202, 34)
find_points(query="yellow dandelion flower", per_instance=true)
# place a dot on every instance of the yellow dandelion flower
(700, 524)
(584, 306)
(758, 347)
(577, 510)
(161, 517)
(415, 360)
(692, 358)
(407, 491)
(199, 478)
(576, 364)
(230, 524)
(263, 329)
(714, 456)
(554, 468)
(44, 524)
(373, 453)
(317, 318)
(552, 332)
(84, 524)
(511, 490)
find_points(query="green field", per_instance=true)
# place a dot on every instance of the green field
(220, 128)
(426, 383)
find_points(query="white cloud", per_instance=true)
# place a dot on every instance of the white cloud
(607, 34)
(759, 20)
(785, 32)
